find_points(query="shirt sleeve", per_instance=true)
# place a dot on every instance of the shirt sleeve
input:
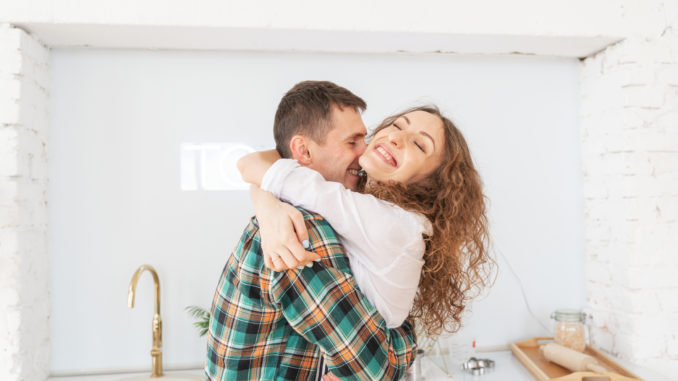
(378, 227)
(325, 306)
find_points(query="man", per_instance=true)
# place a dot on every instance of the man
(285, 325)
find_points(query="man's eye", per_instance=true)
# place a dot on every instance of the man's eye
(352, 143)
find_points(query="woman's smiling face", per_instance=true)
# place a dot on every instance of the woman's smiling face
(406, 151)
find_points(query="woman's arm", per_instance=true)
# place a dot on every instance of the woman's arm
(281, 225)
(378, 227)
(281, 228)
(253, 166)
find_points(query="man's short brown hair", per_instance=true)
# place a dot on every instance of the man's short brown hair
(305, 110)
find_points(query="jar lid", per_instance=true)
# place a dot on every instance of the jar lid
(568, 315)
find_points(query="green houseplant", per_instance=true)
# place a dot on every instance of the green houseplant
(202, 318)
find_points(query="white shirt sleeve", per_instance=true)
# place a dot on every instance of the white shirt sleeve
(381, 230)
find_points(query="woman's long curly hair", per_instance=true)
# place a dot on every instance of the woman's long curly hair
(457, 261)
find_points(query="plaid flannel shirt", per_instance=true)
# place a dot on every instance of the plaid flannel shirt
(268, 325)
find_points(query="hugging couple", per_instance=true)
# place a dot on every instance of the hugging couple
(353, 244)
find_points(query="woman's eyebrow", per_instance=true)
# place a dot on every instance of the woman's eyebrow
(406, 119)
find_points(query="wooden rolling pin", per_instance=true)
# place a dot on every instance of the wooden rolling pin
(570, 359)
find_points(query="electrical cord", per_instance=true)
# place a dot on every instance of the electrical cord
(522, 290)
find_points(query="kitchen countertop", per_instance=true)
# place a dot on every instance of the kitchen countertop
(507, 368)
(197, 373)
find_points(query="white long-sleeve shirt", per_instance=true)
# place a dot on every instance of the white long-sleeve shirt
(383, 241)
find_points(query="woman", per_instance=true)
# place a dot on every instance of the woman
(417, 237)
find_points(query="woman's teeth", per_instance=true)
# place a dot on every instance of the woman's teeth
(386, 155)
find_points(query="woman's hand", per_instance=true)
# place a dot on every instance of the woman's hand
(282, 229)
(330, 377)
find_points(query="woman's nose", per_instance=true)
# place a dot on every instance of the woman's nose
(396, 138)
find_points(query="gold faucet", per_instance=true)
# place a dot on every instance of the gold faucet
(156, 352)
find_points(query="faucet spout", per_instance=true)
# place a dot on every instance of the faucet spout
(156, 352)
(133, 286)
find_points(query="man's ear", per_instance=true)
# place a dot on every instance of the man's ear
(299, 146)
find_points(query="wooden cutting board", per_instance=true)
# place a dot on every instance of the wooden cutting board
(527, 352)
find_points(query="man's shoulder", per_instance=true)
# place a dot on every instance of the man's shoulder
(309, 215)
(324, 241)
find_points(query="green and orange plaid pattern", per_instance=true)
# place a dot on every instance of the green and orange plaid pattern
(268, 325)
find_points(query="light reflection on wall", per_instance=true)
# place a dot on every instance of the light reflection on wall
(212, 166)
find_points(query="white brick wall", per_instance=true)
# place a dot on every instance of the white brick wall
(24, 261)
(629, 137)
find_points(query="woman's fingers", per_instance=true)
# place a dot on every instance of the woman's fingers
(330, 377)
(272, 259)
(286, 260)
(299, 227)
(302, 256)
(277, 263)
(290, 255)
(299, 245)
(268, 262)
(308, 258)
(284, 235)
(289, 260)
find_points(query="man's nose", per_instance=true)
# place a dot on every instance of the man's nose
(361, 147)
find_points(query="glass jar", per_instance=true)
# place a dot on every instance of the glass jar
(569, 329)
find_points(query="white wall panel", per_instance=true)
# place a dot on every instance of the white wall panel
(118, 119)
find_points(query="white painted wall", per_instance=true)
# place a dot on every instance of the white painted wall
(24, 260)
(119, 117)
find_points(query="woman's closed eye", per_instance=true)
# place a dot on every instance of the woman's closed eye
(421, 147)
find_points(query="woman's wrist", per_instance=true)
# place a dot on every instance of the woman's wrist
(262, 200)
